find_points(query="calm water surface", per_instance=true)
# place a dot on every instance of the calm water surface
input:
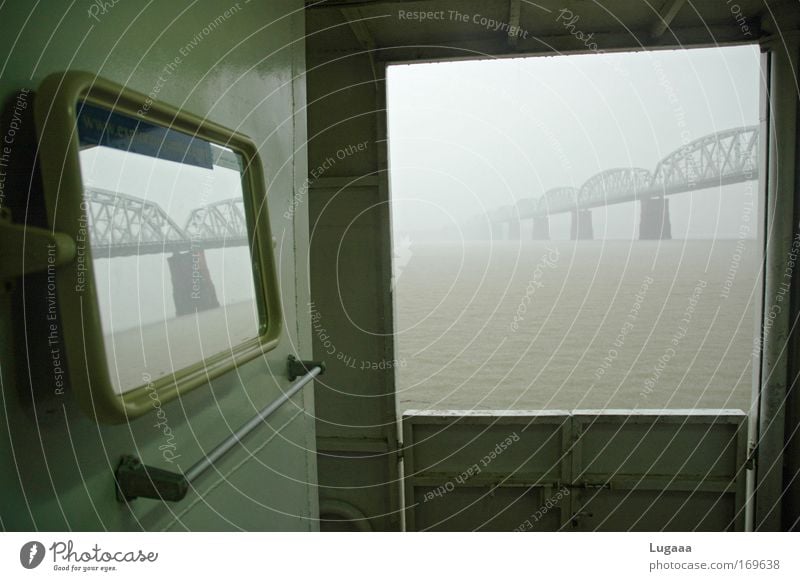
(565, 325)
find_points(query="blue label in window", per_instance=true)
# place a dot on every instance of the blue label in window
(98, 126)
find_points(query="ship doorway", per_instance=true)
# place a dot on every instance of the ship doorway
(577, 282)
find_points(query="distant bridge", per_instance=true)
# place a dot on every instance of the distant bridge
(123, 225)
(722, 158)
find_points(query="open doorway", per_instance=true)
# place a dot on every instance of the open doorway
(577, 281)
(576, 232)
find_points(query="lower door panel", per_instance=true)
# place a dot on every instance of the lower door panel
(612, 470)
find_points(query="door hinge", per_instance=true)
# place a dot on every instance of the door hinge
(590, 485)
(752, 449)
(297, 368)
(597, 485)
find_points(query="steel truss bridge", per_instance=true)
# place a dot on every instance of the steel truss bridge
(718, 159)
(123, 225)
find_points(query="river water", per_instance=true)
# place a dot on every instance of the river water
(577, 325)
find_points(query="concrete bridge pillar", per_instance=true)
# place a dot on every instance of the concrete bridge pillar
(541, 227)
(192, 287)
(582, 228)
(497, 231)
(654, 222)
(513, 229)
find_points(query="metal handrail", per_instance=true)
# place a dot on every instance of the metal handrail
(134, 479)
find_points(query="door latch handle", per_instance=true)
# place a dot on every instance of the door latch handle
(597, 485)
(579, 515)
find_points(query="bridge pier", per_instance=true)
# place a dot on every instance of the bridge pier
(497, 231)
(654, 222)
(192, 288)
(513, 229)
(541, 227)
(581, 228)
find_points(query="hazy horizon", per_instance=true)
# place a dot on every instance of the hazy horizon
(467, 137)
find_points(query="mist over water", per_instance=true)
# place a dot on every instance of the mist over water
(613, 322)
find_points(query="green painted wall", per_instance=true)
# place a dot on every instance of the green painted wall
(350, 244)
(242, 68)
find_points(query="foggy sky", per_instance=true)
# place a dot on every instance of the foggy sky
(469, 136)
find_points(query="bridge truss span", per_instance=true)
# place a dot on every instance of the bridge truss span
(558, 200)
(718, 159)
(124, 225)
(614, 186)
(222, 223)
(722, 158)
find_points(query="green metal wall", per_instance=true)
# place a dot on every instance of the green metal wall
(350, 258)
(244, 69)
